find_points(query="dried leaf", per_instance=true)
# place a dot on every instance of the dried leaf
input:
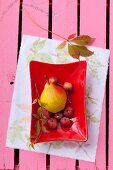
(38, 127)
(61, 50)
(60, 46)
(72, 51)
(40, 110)
(71, 36)
(36, 116)
(43, 121)
(35, 101)
(44, 129)
(83, 51)
(82, 40)
(32, 137)
(32, 145)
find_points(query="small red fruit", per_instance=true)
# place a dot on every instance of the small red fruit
(65, 122)
(67, 86)
(68, 112)
(45, 114)
(52, 123)
(58, 115)
(53, 80)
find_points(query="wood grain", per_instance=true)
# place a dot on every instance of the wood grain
(32, 161)
(93, 22)
(60, 163)
(111, 91)
(37, 10)
(64, 18)
(9, 11)
(64, 23)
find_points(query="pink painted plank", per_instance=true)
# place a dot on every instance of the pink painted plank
(9, 11)
(111, 91)
(60, 163)
(64, 23)
(64, 18)
(32, 161)
(93, 22)
(38, 10)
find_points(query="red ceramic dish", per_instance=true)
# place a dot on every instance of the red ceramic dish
(74, 73)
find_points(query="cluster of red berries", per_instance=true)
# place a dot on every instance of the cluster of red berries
(67, 86)
(63, 118)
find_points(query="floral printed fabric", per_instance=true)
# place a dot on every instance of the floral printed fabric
(41, 49)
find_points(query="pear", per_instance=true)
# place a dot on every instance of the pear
(54, 97)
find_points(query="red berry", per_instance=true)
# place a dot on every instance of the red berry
(53, 80)
(58, 116)
(52, 123)
(45, 114)
(65, 122)
(68, 86)
(68, 112)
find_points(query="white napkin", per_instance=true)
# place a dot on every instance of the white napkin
(41, 49)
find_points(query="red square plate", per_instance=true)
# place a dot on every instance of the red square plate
(75, 73)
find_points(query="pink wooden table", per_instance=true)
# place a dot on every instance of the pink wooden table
(64, 17)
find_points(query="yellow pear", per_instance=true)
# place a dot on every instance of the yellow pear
(54, 97)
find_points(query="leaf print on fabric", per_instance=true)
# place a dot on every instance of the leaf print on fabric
(30, 57)
(36, 54)
(24, 107)
(70, 144)
(25, 120)
(88, 96)
(38, 45)
(57, 144)
(17, 129)
(44, 57)
(62, 51)
(15, 132)
(59, 59)
(82, 146)
(94, 65)
(91, 118)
